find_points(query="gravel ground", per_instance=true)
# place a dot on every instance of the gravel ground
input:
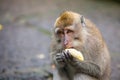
(26, 34)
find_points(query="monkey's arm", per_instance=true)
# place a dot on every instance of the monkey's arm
(88, 68)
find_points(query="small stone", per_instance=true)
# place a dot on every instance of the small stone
(1, 27)
(41, 56)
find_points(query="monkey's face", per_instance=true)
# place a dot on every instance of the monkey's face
(68, 30)
(68, 37)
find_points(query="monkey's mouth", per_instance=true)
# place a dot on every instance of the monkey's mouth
(73, 48)
(70, 48)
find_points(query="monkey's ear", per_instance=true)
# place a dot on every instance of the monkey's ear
(82, 21)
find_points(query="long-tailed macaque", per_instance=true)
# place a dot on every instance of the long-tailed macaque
(72, 30)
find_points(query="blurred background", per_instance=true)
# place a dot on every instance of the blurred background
(25, 34)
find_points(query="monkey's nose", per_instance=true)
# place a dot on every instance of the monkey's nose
(67, 45)
(65, 42)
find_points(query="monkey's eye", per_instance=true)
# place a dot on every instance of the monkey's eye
(76, 38)
(60, 32)
(70, 31)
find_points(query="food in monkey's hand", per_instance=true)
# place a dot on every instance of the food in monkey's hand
(76, 54)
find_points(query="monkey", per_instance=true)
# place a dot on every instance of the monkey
(73, 30)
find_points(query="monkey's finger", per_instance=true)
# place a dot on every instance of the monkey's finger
(59, 58)
(66, 55)
(59, 54)
(60, 61)
(69, 55)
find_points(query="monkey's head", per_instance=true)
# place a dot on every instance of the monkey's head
(68, 30)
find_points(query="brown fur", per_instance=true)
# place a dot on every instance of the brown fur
(90, 43)
(67, 18)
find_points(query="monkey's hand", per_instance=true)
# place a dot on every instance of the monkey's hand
(72, 56)
(60, 60)
(68, 57)
(63, 58)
